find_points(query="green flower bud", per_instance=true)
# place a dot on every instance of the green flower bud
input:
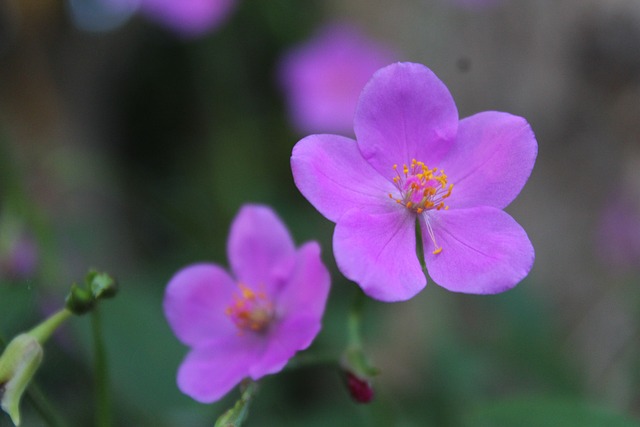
(101, 284)
(18, 363)
(238, 414)
(79, 300)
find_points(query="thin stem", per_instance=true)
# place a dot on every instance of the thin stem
(354, 322)
(43, 406)
(43, 331)
(103, 402)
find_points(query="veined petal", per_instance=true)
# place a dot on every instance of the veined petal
(491, 160)
(484, 250)
(210, 372)
(332, 174)
(195, 301)
(260, 249)
(405, 112)
(378, 252)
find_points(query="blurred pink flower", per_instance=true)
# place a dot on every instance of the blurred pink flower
(249, 323)
(19, 260)
(377, 187)
(618, 236)
(189, 18)
(322, 78)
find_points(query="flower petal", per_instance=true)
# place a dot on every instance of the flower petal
(405, 112)
(300, 307)
(194, 303)
(308, 287)
(332, 174)
(378, 252)
(491, 160)
(290, 336)
(260, 249)
(210, 372)
(484, 250)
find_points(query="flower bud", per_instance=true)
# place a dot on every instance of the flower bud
(18, 363)
(358, 374)
(101, 284)
(361, 389)
(79, 300)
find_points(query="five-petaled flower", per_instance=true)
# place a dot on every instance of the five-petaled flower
(413, 162)
(250, 323)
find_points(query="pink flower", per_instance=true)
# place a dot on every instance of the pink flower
(618, 236)
(323, 77)
(413, 161)
(190, 18)
(249, 323)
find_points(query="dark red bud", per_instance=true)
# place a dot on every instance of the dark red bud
(360, 389)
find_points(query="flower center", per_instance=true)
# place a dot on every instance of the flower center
(422, 189)
(250, 310)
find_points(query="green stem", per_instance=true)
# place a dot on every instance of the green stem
(43, 331)
(103, 403)
(354, 322)
(41, 404)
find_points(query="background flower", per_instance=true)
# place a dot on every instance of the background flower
(189, 18)
(413, 161)
(322, 77)
(249, 323)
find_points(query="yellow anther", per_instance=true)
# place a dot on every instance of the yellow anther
(247, 293)
(429, 184)
(437, 250)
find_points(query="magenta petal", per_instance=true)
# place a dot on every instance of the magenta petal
(378, 252)
(405, 112)
(491, 160)
(289, 336)
(260, 249)
(195, 301)
(210, 372)
(331, 173)
(300, 305)
(484, 250)
(308, 288)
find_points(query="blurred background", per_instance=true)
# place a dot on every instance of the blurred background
(131, 131)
